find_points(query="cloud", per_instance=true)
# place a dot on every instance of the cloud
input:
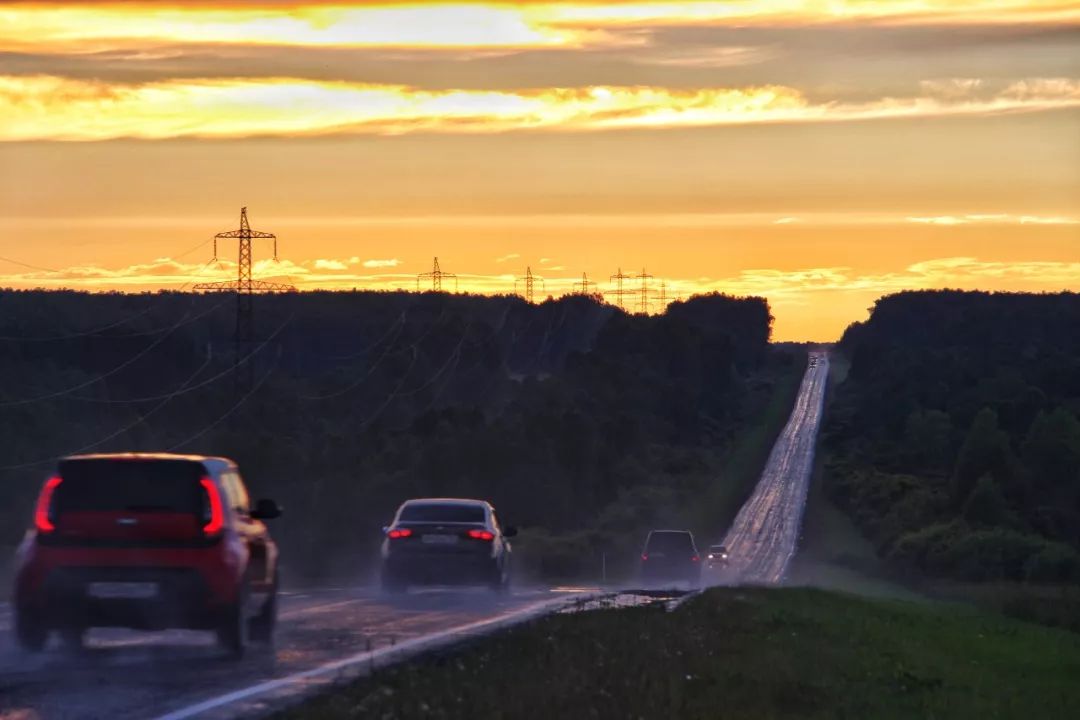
(783, 286)
(707, 57)
(780, 286)
(53, 108)
(392, 262)
(993, 219)
(330, 265)
(469, 24)
(504, 258)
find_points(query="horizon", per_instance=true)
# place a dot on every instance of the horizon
(818, 157)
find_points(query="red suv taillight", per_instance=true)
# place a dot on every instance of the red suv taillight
(480, 535)
(215, 513)
(399, 533)
(43, 518)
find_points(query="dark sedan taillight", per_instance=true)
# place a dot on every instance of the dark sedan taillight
(399, 533)
(480, 535)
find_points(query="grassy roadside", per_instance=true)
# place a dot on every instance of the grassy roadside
(705, 501)
(738, 653)
(742, 467)
(833, 554)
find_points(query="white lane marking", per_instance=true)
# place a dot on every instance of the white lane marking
(300, 682)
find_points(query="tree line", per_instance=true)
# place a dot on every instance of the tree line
(582, 424)
(954, 442)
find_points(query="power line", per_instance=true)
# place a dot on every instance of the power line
(620, 292)
(236, 406)
(530, 283)
(374, 366)
(245, 286)
(644, 277)
(204, 383)
(583, 287)
(436, 276)
(81, 334)
(101, 441)
(67, 391)
(184, 389)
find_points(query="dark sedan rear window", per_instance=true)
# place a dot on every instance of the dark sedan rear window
(130, 485)
(442, 513)
(670, 542)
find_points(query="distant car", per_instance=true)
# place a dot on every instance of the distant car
(446, 541)
(147, 541)
(717, 557)
(670, 555)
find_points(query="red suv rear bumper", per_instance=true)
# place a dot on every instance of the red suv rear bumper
(193, 584)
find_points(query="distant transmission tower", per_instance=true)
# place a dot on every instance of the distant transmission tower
(245, 286)
(582, 288)
(621, 292)
(644, 277)
(663, 295)
(436, 276)
(530, 283)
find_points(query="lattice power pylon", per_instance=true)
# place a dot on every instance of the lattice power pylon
(436, 276)
(529, 281)
(245, 286)
(582, 288)
(620, 292)
(644, 277)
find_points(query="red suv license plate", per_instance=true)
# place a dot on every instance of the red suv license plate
(125, 590)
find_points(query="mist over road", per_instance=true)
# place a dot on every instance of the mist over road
(126, 674)
(764, 536)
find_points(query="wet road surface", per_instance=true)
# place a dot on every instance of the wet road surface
(765, 534)
(123, 674)
(126, 674)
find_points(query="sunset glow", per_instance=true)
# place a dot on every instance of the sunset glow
(820, 153)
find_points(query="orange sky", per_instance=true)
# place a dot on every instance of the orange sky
(818, 153)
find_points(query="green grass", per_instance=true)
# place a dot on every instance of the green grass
(739, 653)
(833, 554)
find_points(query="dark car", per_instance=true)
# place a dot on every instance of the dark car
(446, 541)
(670, 555)
(717, 557)
(147, 541)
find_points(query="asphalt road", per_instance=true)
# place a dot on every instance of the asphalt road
(765, 534)
(124, 674)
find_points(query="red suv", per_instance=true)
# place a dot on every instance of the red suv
(147, 541)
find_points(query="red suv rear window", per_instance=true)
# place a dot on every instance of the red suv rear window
(104, 485)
